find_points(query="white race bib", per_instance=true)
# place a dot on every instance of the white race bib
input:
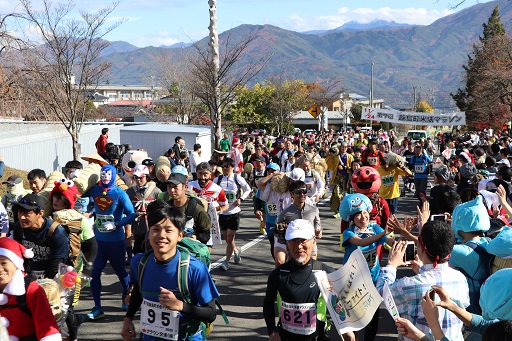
(104, 222)
(298, 318)
(231, 196)
(371, 257)
(271, 209)
(419, 168)
(158, 321)
(388, 180)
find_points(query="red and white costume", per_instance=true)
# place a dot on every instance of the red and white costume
(212, 193)
(19, 323)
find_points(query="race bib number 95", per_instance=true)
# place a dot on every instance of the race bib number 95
(158, 321)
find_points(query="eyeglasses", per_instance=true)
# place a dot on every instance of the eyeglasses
(300, 191)
(298, 241)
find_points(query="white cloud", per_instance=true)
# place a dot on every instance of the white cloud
(417, 16)
(157, 39)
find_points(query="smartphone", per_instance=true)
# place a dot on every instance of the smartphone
(410, 252)
(432, 294)
(435, 217)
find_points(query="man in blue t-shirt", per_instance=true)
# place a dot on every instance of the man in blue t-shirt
(164, 312)
(419, 163)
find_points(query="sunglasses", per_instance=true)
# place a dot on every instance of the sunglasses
(28, 203)
(300, 191)
(300, 241)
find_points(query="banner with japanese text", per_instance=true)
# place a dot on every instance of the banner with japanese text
(415, 118)
(349, 293)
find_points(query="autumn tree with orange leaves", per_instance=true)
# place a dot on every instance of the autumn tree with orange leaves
(487, 97)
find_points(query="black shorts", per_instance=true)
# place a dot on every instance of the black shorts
(229, 221)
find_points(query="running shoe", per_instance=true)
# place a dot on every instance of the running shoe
(96, 314)
(237, 257)
(224, 265)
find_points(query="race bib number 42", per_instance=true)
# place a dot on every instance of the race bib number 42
(158, 321)
(298, 318)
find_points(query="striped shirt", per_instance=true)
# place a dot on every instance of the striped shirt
(408, 292)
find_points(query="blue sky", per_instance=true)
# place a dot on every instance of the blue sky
(165, 22)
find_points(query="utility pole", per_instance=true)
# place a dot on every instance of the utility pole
(214, 48)
(371, 94)
(414, 87)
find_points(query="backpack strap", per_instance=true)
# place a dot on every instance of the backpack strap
(53, 227)
(183, 266)
(191, 208)
(142, 266)
(219, 179)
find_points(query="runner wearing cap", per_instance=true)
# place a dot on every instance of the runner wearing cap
(198, 223)
(32, 230)
(294, 281)
(144, 192)
(257, 173)
(14, 192)
(237, 190)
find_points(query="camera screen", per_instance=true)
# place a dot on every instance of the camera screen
(441, 217)
(410, 252)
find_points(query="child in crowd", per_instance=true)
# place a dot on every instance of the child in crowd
(356, 208)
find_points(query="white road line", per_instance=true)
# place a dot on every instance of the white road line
(243, 248)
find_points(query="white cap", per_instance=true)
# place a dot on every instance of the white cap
(141, 170)
(297, 174)
(300, 229)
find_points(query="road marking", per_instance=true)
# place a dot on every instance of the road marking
(243, 248)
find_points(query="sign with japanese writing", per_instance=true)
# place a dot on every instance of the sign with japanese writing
(415, 118)
(390, 302)
(349, 293)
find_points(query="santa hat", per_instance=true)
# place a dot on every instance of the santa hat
(15, 252)
(68, 189)
(236, 141)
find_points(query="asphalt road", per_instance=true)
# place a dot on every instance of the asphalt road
(243, 286)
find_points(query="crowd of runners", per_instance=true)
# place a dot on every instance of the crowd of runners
(161, 217)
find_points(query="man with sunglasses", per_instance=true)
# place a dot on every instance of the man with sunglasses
(299, 209)
(300, 318)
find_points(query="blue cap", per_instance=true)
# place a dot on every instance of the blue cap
(179, 169)
(273, 166)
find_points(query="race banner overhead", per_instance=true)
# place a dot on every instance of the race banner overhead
(417, 118)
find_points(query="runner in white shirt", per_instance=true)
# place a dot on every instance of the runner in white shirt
(313, 180)
(195, 159)
(237, 190)
(205, 188)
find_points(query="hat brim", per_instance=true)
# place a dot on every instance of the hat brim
(26, 207)
(95, 157)
(175, 181)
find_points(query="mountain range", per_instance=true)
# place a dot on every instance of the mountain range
(428, 58)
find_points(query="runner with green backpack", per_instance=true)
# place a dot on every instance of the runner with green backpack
(175, 292)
